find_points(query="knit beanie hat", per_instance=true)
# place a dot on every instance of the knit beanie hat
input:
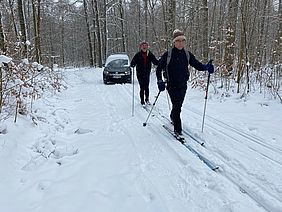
(177, 34)
(143, 42)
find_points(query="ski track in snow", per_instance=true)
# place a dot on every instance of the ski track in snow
(248, 149)
(264, 188)
(90, 154)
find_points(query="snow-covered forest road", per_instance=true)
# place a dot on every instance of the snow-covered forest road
(88, 152)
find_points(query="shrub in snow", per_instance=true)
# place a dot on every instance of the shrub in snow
(23, 83)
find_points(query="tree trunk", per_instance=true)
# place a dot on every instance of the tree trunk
(62, 55)
(229, 54)
(124, 49)
(277, 53)
(139, 20)
(171, 16)
(38, 37)
(23, 28)
(36, 24)
(167, 36)
(244, 33)
(260, 41)
(146, 19)
(2, 37)
(99, 43)
(13, 18)
(205, 35)
(106, 47)
(241, 58)
(88, 34)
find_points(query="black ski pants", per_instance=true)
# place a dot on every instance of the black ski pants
(177, 96)
(144, 87)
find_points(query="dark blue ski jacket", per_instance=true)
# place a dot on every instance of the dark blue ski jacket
(178, 73)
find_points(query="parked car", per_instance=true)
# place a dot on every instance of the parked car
(117, 69)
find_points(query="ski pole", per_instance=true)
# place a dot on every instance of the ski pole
(206, 98)
(145, 123)
(133, 92)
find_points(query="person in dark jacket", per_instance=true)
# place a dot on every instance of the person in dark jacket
(143, 61)
(177, 75)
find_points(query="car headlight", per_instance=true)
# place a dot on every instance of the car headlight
(128, 71)
(106, 71)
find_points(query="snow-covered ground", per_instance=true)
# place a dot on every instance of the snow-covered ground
(83, 150)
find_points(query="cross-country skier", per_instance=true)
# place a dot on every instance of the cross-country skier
(143, 61)
(176, 75)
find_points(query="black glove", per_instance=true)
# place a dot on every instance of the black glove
(210, 68)
(161, 85)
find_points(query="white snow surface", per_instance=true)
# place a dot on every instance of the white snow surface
(83, 150)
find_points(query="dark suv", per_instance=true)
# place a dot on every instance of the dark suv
(117, 69)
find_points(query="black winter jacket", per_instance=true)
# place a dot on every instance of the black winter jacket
(178, 73)
(141, 68)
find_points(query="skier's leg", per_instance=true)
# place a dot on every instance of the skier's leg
(177, 98)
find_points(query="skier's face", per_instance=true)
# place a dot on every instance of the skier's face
(180, 43)
(144, 47)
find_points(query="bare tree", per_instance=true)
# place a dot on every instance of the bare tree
(260, 40)
(36, 26)
(23, 28)
(88, 33)
(229, 53)
(121, 11)
(2, 37)
(105, 28)
(205, 34)
(240, 31)
(11, 5)
(277, 53)
(169, 13)
(171, 16)
(62, 35)
(146, 18)
(98, 30)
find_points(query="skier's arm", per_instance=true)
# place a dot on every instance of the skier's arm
(133, 61)
(161, 66)
(154, 59)
(196, 64)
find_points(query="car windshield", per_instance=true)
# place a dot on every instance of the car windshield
(118, 63)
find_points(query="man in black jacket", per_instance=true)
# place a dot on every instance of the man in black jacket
(143, 61)
(174, 63)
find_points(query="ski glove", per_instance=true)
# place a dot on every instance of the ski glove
(210, 68)
(161, 85)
